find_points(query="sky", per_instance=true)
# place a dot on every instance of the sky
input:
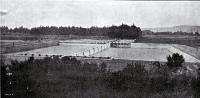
(145, 14)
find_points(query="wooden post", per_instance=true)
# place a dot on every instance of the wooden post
(83, 54)
(94, 50)
(13, 44)
(89, 52)
(98, 49)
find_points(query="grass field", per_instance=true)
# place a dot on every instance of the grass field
(193, 41)
(69, 78)
(11, 46)
(21, 36)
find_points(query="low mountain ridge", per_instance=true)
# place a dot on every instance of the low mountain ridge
(183, 28)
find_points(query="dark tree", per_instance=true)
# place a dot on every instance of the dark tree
(124, 31)
(196, 33)
(175, 61)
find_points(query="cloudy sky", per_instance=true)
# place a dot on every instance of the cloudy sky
(31, 13)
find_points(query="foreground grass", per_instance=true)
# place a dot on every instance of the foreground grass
(69, 78)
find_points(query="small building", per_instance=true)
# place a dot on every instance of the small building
(120, 45)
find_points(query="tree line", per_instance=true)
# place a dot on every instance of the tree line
(121, 31)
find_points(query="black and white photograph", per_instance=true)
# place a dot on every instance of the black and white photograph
(100, 49)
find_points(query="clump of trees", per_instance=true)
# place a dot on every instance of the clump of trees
(124, 31)
(175, 61)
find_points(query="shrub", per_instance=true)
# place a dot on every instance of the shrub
(175, 61)
(133, 77)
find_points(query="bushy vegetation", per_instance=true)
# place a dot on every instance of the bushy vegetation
(70, 78)
(124, 31)
(50, 76)
(175, 61)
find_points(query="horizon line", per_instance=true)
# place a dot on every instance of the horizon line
(95, 26)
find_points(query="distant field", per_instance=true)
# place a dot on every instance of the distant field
(10, 46)
(172, 36)
(193, 41)
(47, 37)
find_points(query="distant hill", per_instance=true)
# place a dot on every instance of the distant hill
(183, 28)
